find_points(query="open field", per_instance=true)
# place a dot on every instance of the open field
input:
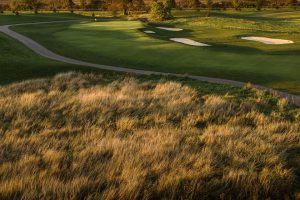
(81, 136)
(95, 134)
(229, 57)
(18, 63)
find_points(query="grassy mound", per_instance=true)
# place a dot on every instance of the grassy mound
(84, 136)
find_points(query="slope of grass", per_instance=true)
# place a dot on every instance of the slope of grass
(123, 43)
(85, 136)
(18, 63)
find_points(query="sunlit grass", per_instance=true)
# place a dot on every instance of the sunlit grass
(87, 136)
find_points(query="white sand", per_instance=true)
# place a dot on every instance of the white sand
(189, 42)
(169, 29)
(149, 32)
(266, 40)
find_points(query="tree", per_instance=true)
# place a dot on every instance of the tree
(237, 4)
(196, 4)
(32, 5)
(173, 3)
(83, 4)
(209, 4)
(94, 4)
(158, 11)
(15, 6)
(1, 8)
(293, 3)
(161, 11)
(168, 5)
(276, 4)
(259, 4)
(123, 5)
(69, 4)
(138, 5)
(53, 5)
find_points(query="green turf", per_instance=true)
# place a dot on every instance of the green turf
(18, 63)
(123, 43)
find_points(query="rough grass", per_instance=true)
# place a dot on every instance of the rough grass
(83, 136)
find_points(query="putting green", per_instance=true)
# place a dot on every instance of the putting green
(123, 43)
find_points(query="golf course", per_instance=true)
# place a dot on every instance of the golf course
(116, 105)
(228, 56)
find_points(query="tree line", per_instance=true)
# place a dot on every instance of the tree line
(128, 6)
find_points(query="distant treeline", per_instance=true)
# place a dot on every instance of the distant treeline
(139, 5)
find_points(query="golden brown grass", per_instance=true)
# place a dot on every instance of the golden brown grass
(81, 136)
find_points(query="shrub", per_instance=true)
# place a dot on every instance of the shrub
(209, 4)
(293, 3)
(259, 4)
(168, 5)
(158, 11)
(161, 11)
(237, 4)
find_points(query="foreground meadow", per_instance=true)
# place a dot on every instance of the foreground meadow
(79, 136)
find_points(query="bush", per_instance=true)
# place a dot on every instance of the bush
(161, 11)
(237, 4)
(293, 3)
(168, 5)
(209, 4)
(158, 11)
(259, 4)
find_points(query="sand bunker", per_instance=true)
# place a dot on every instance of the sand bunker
(189, 42)
(266, 40)
(149, 32)
(170, 29)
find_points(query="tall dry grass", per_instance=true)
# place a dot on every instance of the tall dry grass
(82, 136)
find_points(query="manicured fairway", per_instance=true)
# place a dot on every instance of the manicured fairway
(123, 43)
(18, 63)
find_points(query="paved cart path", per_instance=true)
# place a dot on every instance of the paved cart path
(41, 50)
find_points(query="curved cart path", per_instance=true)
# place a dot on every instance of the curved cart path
(39, 49)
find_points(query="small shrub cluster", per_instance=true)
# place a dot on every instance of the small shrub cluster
(161, 10)
(83, 136)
